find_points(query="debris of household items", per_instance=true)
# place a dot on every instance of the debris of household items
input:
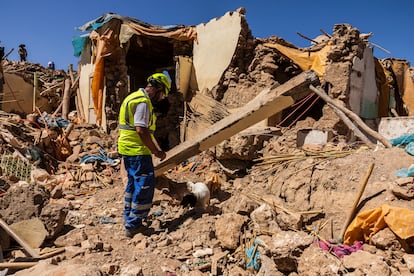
(367, 224)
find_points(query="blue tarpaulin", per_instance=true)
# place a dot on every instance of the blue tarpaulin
(406, 140)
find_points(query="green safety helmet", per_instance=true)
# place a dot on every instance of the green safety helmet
(161, 79)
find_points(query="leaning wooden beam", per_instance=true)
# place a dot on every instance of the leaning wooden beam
(8, 53)
(350, 124)
(353, 116)
(264, 105)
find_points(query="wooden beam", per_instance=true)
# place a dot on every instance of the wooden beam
(321, 93)
(267, 103)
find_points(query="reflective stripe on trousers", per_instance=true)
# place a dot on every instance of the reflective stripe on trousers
(139, 191)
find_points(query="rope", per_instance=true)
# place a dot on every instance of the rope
(301, 103)
(306, 110)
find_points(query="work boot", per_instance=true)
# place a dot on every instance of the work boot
(131, 232)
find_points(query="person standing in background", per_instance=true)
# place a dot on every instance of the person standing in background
(51, 65)
(22, 52)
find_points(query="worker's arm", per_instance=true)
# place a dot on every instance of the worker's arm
(146, 138)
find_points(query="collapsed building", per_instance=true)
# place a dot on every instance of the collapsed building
(223, 61)
(216, 67)
(231, 93)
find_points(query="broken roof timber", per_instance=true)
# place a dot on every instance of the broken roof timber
(267, 103)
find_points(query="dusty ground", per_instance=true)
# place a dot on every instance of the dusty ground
(176, 239)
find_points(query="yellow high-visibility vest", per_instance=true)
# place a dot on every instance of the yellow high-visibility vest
(129, 142)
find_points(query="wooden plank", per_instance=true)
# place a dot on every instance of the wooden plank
(267, 103)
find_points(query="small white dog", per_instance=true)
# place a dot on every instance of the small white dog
(198, 196)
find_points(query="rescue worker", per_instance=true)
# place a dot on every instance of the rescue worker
(136, 143)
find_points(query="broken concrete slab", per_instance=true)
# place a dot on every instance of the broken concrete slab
(313, 137)
(393, 127)
(31, 231)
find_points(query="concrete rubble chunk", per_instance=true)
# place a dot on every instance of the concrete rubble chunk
(287, 247)
(32, 231)
(228, 228)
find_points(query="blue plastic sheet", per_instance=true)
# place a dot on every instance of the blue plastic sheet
(405, 172)
(101, 158)
(78, 43)
(402, 140)
(253, 256)
(406, 140)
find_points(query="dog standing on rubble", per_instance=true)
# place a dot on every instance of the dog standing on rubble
(198, 196)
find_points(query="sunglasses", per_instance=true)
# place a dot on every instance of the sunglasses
(155, 83)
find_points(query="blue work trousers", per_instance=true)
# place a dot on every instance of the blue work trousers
(139, 191)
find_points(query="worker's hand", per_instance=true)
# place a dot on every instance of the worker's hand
(160, 154)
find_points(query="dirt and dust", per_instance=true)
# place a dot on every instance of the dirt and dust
(284, 196)
(321, 187)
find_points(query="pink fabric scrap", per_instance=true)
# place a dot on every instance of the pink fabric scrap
(340, 250)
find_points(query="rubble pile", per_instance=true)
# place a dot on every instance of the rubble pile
(49, 82)
(279, 204)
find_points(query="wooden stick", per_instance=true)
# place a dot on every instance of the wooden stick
(350, 125)
(75, 83)
(35, 84)
(68, 129)
(352, 115)
(305, 37)
(58, 109)
(182, 138)
(66, 99)
(18, 265)
(385, 50)
(70, 69)
(53, 253)
(325, 33)
(351, 214)
(50, 88)
(6, 55)
(25, 246)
